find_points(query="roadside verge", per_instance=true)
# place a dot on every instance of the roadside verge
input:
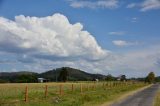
(124, 96)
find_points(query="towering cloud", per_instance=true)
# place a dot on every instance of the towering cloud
(51, 37)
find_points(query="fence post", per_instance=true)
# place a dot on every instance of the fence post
(26, 94)
(103, 86)
(72, 87)
(106, 85)
(94, 85)
(81, 88)
(87, 87)
(110, 85)
(60, 89)
(46, 91)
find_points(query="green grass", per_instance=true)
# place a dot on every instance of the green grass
(13, 94)
(157, 99)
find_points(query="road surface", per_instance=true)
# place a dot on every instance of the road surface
(142, 98)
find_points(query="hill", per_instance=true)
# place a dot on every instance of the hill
(52, 75)
(74, 75)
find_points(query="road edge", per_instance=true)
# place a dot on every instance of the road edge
(124, 96)
(157, 93)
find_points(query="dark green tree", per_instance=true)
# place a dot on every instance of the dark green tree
(109, 77)
(26, 78)
(63, 74)
(3, 81)
(150, 78)
(157, 79)
(123, 78)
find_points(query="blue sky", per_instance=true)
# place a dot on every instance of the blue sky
(124, 35)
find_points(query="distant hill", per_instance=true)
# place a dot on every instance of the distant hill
(74, 75)
(52, 75)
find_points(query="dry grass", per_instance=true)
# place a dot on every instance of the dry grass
(13, 94)
(157, 99)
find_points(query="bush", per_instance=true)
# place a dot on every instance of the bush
(3, 81)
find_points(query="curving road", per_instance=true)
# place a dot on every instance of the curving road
(142, 98)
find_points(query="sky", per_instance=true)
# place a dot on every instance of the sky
(98, 36)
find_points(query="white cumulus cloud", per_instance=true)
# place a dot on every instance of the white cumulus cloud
(50, 37)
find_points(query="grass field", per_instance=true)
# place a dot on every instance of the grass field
(83, 94)
(157, 99)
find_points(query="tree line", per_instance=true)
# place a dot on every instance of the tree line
(63, 76)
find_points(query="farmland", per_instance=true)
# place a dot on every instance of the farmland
(68, 94)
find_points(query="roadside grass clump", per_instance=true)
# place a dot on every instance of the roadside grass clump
(157, 99)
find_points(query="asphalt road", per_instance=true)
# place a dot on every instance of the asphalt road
(142, 98)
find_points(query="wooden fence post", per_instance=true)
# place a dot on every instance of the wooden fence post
(103, 86)
(72, 87)
(60, 89)
(110, 84)
(46, 91)
(94, 85)
(26, 94)
(87, 87)
(106, 85)
(81, 88)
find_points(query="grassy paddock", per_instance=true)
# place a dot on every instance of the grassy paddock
(84, 93)
(157, 99)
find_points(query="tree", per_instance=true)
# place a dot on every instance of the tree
(157, 79)
(150, 78)
(3, 81)
(63, 74)
(109, 77)
(123, 78)
(26, 78)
